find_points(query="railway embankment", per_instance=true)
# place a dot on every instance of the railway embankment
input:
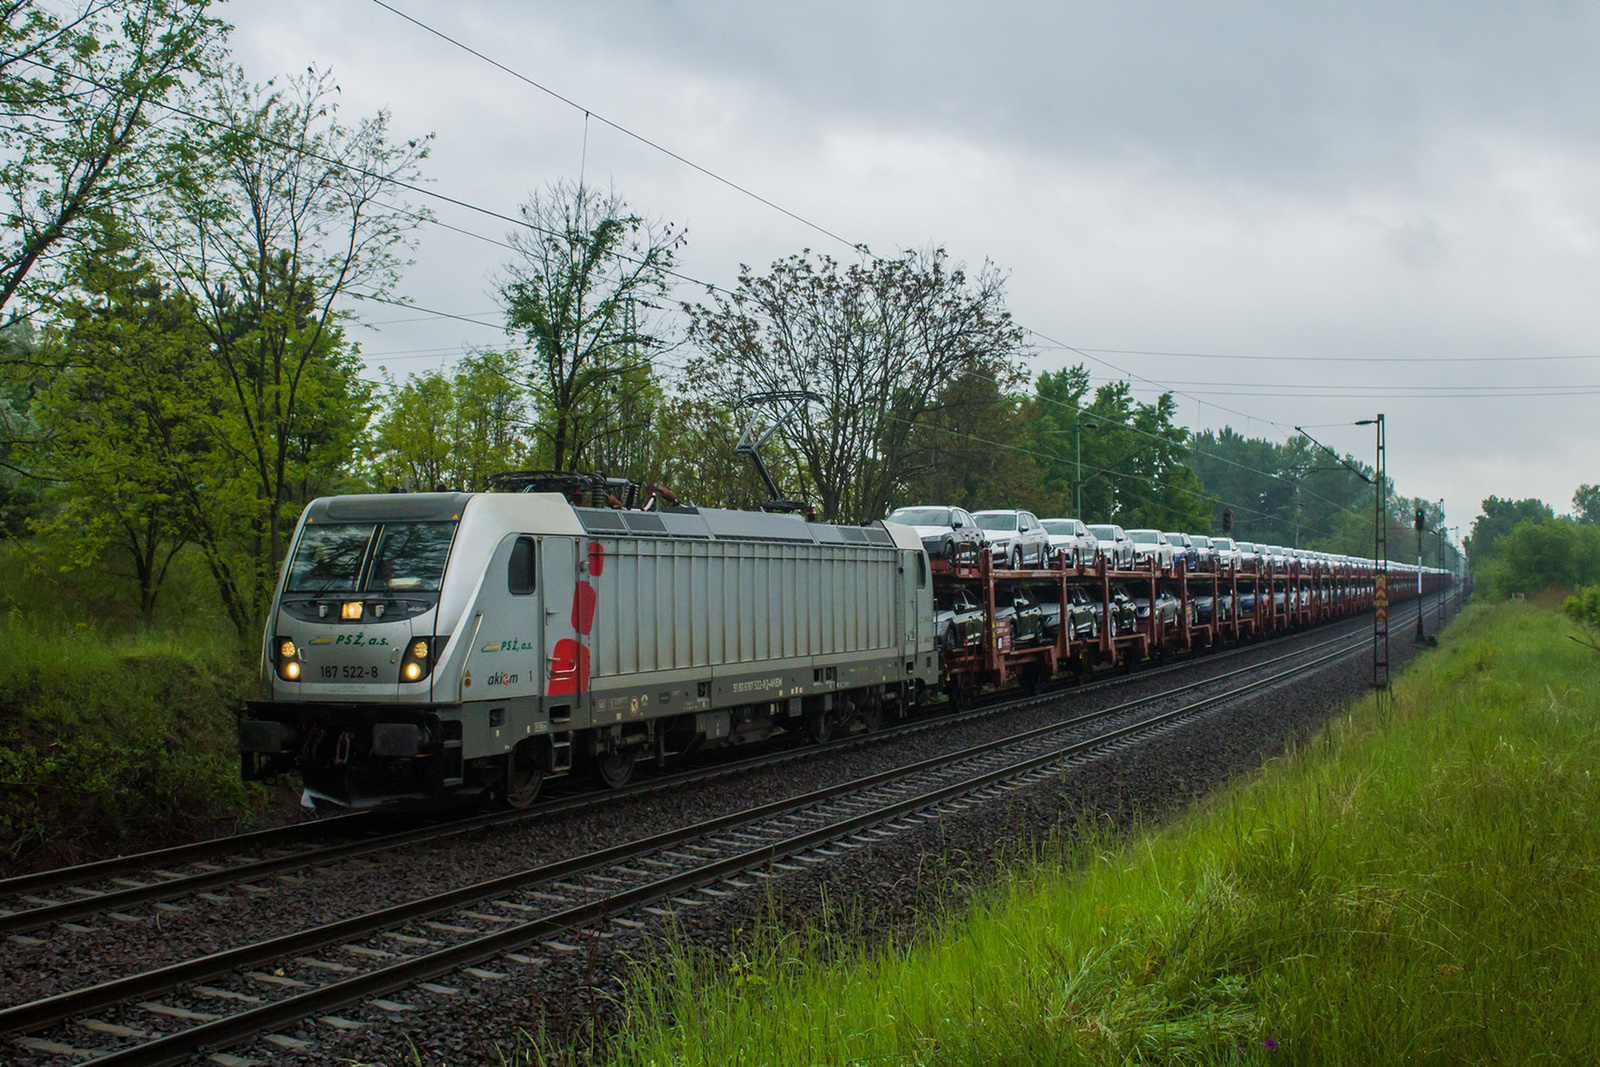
(112, 743)
(1414, 882)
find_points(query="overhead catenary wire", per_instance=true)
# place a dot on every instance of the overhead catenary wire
(1184, 443)
(1337, 359)
(590, 113)
(1107, 471)
(527, 224)
(857, 246)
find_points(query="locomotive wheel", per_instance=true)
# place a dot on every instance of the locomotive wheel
(820, 725)
(872, 715)
(524, 776)
(615, 769)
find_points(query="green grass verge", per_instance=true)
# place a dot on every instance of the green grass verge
(1421, 885)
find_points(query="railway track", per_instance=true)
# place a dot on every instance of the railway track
(171, 1014)
(124, 886)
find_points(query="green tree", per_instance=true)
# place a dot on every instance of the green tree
(1499, 518)
(1054, 420)
(1136, 469)
(1291, 492)
(1586, 503)
(492, 418)
(451, 429)
(1544, 553)
(880, 342)
(695, 438)
(124, 423)
(414, 434)
(587, 276)
(82, 86)
(23, 373)
(972, 451)
(281, 212)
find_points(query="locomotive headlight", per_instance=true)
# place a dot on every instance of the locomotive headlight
(418, 661)
(288, 659)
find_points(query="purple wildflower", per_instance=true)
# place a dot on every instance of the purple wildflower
(1270, 1045)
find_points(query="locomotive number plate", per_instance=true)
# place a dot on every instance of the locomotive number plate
(345, 672)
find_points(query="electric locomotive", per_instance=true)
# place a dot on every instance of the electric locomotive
(428, 645)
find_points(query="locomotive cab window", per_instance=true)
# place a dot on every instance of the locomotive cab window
(520, 570)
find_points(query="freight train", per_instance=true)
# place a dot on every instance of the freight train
(433, 645)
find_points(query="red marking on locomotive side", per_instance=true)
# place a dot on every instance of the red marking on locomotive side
(569, 668)
(597, 557)
(583, 599)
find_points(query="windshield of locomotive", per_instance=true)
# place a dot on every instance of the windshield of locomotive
(370, 557)
(410, 556)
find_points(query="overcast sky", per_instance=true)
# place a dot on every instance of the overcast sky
(1285, 214)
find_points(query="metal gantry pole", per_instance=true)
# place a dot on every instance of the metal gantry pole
(1440, 576)
(1380, 553)
(1421, 637)
(1077, 485)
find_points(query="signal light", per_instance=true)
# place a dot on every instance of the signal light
(1421, 522)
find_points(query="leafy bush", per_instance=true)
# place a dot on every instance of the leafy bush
(1583, 608)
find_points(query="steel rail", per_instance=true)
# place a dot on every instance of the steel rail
(161, 889)
(64, 1006)
(271, 837)
(179, 1047)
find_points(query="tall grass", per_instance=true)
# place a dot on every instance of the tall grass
(1420, 885)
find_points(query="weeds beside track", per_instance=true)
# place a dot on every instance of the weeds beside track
(1416, 886)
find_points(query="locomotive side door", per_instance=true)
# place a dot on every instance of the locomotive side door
(568, 604)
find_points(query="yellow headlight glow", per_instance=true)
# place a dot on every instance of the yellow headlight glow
(351, 609)
(413, 671)
(419, 650)
(287, 650)
(291, 669)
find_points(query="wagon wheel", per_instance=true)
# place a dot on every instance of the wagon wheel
(872, 714)
(615, 768)
(524, 776)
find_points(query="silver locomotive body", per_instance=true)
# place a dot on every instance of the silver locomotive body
(428, 644)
